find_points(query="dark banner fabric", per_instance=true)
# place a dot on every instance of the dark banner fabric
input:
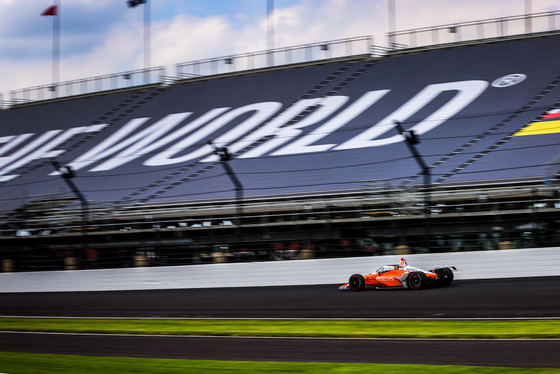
(304, 130)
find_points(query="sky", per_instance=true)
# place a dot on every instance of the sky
(99, 37)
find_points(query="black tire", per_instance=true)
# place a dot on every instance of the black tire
(445, 277)
(357, 282)
(417, 280)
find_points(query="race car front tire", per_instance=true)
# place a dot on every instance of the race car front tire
(357, 282)
(417, 280)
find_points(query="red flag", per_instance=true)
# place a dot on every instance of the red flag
(50, 11)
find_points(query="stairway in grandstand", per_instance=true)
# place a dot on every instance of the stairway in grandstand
(111, 117)
(123, 109)
(329, 86)
(493, 130)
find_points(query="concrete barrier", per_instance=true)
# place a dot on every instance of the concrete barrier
(512, 263)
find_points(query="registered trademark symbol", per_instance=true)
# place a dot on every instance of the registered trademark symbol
(509, 80)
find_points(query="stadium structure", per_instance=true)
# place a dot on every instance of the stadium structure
(446, 140)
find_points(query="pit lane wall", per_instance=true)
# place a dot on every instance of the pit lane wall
(516, 263)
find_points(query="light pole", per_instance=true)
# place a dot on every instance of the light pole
(67, 174)
(411, 141)
(224, 155)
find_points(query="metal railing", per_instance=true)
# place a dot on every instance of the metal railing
(63, 214)
(276, 57)
(324, 228)
(474, 30)
(334, 49)
(87, 85)
(247, 61)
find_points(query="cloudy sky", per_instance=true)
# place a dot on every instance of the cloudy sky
(101, 37)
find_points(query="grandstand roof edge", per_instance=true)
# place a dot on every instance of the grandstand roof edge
(273, 68)
(468, 43)
(81, 96)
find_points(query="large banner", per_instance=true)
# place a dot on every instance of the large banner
(302, 130)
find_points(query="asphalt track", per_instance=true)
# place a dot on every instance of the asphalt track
(504, 353)
(515, 298)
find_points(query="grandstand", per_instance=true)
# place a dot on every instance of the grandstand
(306, 157)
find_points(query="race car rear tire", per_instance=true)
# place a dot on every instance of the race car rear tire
(357, 282)
(445, 276)
(417, 280)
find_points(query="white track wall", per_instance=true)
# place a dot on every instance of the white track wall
(515, 263)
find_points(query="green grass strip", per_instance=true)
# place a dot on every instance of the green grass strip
(15, 363)
(533, 329)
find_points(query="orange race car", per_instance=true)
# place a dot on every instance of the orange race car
(401, 276)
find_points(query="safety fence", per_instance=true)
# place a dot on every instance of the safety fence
(521, 263)
(376, 222)
(54, 214)
(152, 252)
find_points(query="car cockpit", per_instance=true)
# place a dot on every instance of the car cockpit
(387, 268)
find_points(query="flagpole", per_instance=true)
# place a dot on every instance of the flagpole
(528, 11)
(270, 30)
(147, 34)
(56, 47)
(147, 37)
(392, 23)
